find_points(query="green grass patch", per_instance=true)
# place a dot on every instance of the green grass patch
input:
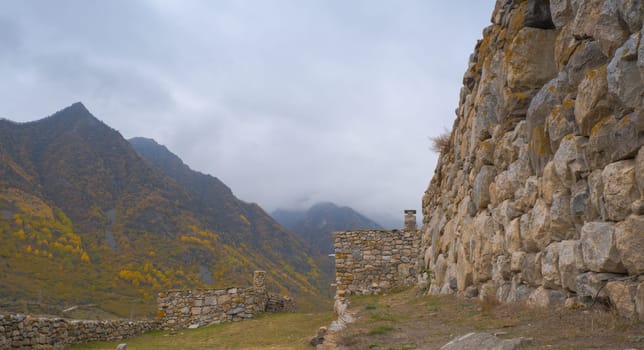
(371, 306)
(382, 316)
(380, 330)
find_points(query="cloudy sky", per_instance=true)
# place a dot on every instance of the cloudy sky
(289, 102)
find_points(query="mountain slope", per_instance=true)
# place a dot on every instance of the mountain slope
(317, 224)
(84, 218)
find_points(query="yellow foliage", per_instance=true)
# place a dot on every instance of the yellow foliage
(244, 219)
(20, 234)
(85, 257)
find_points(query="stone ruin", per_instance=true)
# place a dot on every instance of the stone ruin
(179, 309)
(375, 261)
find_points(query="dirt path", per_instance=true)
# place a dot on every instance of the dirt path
(407, 321)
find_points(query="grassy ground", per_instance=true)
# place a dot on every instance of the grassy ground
(267, 331)
(406, 321)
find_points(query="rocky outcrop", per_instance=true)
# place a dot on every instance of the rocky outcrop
(540, 195)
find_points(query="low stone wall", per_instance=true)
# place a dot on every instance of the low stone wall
(370, 262)
(201, 307)
(280, 303)
(194, 308)
(25, 332)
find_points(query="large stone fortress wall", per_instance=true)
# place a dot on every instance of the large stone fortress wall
(179, 309)
(370, 262)
(540, 194)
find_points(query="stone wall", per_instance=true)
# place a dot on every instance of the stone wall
(540, 196)
(25, 332)
(179, 309)
(370, 262)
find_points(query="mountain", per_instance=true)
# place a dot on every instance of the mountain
(317, 224)
(88, 217)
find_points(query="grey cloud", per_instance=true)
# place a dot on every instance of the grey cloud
(288, 102)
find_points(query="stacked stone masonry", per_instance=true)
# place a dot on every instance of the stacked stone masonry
(178, 309)
(370, 262)
(25, 332)
(540, 197)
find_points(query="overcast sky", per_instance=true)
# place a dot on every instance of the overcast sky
(289, 102)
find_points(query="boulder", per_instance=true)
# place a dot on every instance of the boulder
(561, 220)
(599, 249)
(627, 136)
(639, 169)
(481, 186)
(586, 56)
(611, 30)
(561, 121)
(629, 236)
(531, 269)
(501, 268)
(464, 273)
(538, 235)
(640, 57)
(550, 266)
(620, 189)
(543, 297)
(639, 301)
(519, 292)
(551, 183)
(592, 102)
(591, 284)
(530, 59)
(586, 18)
(477, 341)
(631, 12)
(622, 296)
(569, 160)
(513, 236)
(623, 77)
(581, 209)
(570, 263)
(560, 12)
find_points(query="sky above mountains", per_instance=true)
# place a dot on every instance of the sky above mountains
(288, 102)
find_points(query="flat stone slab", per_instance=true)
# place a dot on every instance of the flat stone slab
(484, 341)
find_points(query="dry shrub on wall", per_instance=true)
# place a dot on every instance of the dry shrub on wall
(441, 143)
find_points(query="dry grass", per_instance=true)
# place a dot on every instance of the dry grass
(428, 322)
(268, 331)
(441, 143)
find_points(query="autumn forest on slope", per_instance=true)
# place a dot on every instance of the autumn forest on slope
(88, 217)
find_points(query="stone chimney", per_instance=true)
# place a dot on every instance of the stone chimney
(410, 220)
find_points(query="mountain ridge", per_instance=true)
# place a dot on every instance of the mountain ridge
(78, 200)
(317, 224)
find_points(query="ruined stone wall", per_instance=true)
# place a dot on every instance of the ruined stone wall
(370, 262)
(179, 309)
(540, 196)
(25, 332)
